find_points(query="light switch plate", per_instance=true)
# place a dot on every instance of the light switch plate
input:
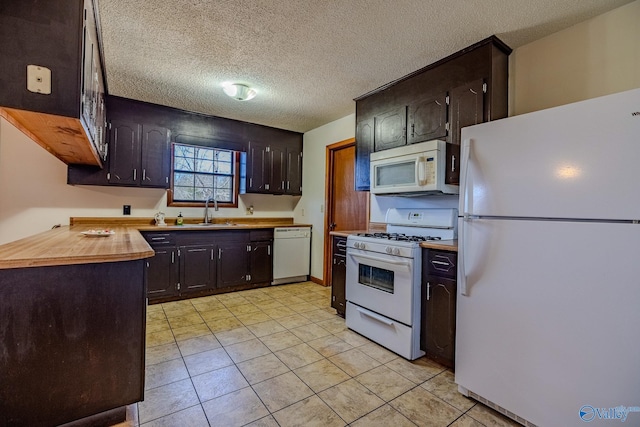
(38, 79)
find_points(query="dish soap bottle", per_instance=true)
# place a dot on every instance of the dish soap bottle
(180, 219)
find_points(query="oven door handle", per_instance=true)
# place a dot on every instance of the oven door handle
(375, 316)
(389, 261)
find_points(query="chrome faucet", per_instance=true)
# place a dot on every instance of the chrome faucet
(206, 208)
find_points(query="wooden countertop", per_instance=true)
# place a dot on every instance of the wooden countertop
(445, 245)
(66, 246)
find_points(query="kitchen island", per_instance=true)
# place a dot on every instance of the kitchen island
(72, 327)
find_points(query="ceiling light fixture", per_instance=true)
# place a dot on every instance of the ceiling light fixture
(239, 91)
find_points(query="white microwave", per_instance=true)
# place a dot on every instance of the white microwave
(411, 170)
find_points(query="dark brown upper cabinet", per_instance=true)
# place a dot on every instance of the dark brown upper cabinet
(139, 155)
(467, 107)
(62, 37)
(476, 82)
(274, 167)
(428, 119)
(390, 129)
(364, 147)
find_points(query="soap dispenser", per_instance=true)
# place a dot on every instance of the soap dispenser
(180, 219)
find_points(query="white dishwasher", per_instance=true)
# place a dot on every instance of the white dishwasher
(291, 254)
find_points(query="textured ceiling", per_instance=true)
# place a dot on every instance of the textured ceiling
(307, 59)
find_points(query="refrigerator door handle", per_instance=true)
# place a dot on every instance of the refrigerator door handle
(464, 169)
(462, 272)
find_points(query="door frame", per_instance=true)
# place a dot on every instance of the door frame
(328, 202)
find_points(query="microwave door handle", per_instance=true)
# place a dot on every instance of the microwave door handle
(421, 170)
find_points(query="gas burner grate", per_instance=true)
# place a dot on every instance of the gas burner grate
(399, 237)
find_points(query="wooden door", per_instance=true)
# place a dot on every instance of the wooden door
(162, 270)
(467, 107)
(439, 299)
(257, 168)
(278, 168)
(346, 208)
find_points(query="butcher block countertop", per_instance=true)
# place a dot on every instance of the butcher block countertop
(67, 245)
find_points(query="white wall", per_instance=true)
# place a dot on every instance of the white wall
(34, 194)
(310, 209)
(597, 57)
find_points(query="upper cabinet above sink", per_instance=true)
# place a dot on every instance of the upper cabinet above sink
(56, 41)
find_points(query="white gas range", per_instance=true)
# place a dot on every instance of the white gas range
(383, 277)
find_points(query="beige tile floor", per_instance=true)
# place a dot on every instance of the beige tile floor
(280, 356)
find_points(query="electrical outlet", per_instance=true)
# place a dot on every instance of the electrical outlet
(302, 211)
(126, 209)
(38, 79)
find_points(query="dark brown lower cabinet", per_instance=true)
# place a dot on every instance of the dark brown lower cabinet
(261, 262)
(162, 272)
(197, 268)
(233, 263)
(339, 274)
(72, 342)
(196, 263)
(439, 290)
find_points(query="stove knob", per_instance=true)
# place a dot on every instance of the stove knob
(396, 251)
(362, 245)
(358, 245)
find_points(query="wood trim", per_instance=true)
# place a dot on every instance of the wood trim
(326, 264)
(318, 281)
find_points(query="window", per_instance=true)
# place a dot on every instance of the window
(200, 173)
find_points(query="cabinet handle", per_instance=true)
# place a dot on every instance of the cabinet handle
(250, 182)
(453, 163)
(266, 186)
(269, 250)
(288, 185)
(248, 248)
(197, 250)
(428, 291)
(219, 253)
(212, 255)
(144, 174)
(135, 174)
(173, 257)
(282, 185)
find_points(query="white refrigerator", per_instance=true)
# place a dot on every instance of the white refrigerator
(548, 308)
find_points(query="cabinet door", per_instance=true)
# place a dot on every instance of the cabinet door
(277, 166)
(294, 171)
(364, 147)
(261, 262)
(155, 157)
(467, 107)
(162, 272)
(439, 319)
(124, 153)
(338, 275)
(428, 119)
(233, 263)
(390, 129)
(257, 167)
(197, 268)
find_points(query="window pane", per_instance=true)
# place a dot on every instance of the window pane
(203, 180)
(197, 171)
(181, 163)
(223, 156)
(183, 193)
(204, 166)
(223, 167)
(183, 179)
